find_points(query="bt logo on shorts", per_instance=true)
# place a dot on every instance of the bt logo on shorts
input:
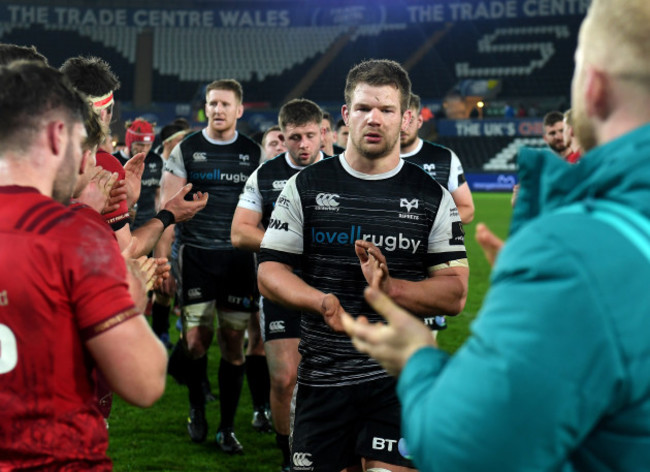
(435, 321)
(194, 293)
(276, 327)
(381, 444)
(327, 201)
(302, 461)
(245, 302)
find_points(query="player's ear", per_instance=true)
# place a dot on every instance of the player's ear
(345, 114)
(597, 93)
(406, 119)
(55, 137)
(85, 161)
(240, 110)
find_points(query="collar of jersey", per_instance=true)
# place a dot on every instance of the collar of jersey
(361, 175)
(294, 166)
(415, 151)
(216, 141)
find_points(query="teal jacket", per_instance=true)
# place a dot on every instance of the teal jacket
(555, 375)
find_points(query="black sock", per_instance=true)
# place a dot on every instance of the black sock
(282, 440)
(231, 378)
(195, 376)
(177, 366)
(159, 319)
(259, 382)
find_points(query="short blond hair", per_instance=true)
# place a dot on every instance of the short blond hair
(615, 37)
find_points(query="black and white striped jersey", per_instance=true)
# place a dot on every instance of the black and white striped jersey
(316, 220)
(440, 162)
(265, 184)
(220, 169)
(150, 183)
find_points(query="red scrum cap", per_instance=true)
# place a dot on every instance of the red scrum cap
(140, 131)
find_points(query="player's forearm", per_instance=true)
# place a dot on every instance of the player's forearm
(466, 213)
(247, 237)
(278, 283)
(464, 202)
(147, 236)
(438, 295)
(133, 361)
(163, 247)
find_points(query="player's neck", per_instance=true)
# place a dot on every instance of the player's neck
(376, 165)
(25, 174)
(411, 147)
(223, 135)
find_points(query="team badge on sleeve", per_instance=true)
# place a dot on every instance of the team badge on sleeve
(457, 234)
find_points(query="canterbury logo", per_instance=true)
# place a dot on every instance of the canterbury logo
(199, 156)
(404, 203)
(279, 184)
(302, 459)
(327, 200)
(276, 326)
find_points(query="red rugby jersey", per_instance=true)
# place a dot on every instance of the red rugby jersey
(63, 281)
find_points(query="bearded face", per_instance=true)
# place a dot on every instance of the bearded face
(409, 134)
(375, 120)
(66, 176)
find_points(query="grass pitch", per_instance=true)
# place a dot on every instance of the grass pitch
(156, 439)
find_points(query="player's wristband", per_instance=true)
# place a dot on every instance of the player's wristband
(166, 217)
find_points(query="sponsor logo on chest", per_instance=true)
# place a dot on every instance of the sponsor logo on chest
(409, 205)
(327, 202)
(279, 184)
(217, 175)
(388, 242)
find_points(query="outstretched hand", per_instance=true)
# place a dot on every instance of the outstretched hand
(489, 242)
(390, 344)
(182, 209)
(373, 265)
(134, 168)
(96, 194)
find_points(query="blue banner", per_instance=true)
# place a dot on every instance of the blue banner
(503, 182)
(531, 127)
(279, 14)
